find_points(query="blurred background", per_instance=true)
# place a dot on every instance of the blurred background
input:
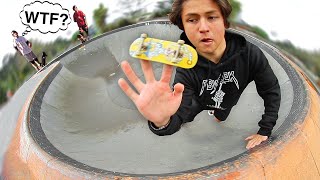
(290, 25)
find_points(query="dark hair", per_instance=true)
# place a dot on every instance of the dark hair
(73, 7)
(175, 14)
(14, 31)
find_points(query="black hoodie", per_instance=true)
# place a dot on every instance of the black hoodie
(210, 86)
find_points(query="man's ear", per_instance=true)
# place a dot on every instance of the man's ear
(226, 24)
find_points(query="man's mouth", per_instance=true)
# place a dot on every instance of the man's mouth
(207, 40)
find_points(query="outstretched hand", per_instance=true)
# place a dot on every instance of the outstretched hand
(255, 140)
(155, 100)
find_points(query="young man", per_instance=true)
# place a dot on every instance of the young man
(227, 64)
(23, 46)
(80, 18)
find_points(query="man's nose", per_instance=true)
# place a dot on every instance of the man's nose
(204, 27)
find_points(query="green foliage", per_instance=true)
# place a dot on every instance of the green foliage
(133, 9)
(16, 69)
(120, 23)
(99, 16)
(236, 9)
(12, 75)
(74, 36)
(260, 32)
(310, 59)
(163, 8)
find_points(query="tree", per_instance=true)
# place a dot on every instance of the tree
(134, 9)
(16, 70)
(236, 9)
(163, 8)
(99, 16)
(260, 32)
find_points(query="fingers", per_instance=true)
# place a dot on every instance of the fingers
(252, 143)
(135, 81)
(147, 70)
(127, 90)
(166, 73)
(249, 138)
(178, 89)
(255, 140)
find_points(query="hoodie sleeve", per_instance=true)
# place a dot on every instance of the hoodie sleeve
(268, 88)
(188, 109)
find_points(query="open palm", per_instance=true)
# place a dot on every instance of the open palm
(155, 100)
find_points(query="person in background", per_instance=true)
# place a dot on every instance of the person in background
(23, 46)
(80, 18)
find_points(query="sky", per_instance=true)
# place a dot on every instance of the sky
(294, 20)
(281, 19)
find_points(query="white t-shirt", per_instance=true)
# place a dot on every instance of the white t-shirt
(21, 43)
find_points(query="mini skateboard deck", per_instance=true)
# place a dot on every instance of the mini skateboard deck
(167, 52)
(82, 47)
(82, 39)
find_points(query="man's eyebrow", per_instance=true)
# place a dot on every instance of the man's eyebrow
(195, 14)
(212, 12)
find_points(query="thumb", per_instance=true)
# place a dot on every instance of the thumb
(178, 89)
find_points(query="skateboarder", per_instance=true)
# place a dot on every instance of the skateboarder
(23, 46)
(227, 63)
(80, 18)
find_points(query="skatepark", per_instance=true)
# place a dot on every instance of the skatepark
(72, 121)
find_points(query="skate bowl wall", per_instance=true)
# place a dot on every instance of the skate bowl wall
(78, 124)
